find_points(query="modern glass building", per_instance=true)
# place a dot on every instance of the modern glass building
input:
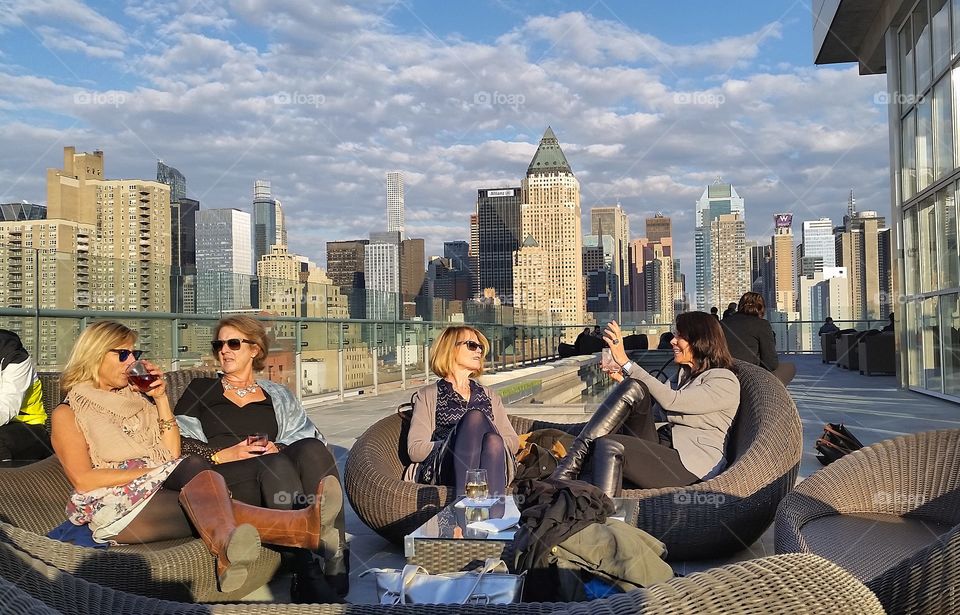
(917, 44)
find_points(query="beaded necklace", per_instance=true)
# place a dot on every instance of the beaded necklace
(240, 391)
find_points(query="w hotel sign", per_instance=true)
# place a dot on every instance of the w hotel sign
(783, 220)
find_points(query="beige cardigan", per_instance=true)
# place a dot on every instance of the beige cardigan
(424, 422)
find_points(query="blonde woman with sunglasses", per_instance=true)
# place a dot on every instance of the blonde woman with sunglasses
(458, 424)
(289, 467)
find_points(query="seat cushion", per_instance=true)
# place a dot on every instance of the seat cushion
(868, 544)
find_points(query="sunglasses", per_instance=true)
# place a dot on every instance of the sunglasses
(472, 346)
(232, 344)
(124, 354)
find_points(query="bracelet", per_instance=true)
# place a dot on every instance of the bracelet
(166, 425)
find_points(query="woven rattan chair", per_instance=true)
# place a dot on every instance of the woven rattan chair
(794, 584)
(706, 520)
(32, 502)
(889, 514)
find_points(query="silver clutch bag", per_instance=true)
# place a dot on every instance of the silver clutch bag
(492, 584)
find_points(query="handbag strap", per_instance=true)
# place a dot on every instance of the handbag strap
(492, 564)
(407, 575)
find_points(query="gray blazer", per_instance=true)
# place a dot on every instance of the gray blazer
(701, 412)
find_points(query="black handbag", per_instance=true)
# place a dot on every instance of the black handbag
(836, 442)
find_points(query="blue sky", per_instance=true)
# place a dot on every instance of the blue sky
(650, 100)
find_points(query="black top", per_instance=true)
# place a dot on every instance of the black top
(751, 339)
(223, 422)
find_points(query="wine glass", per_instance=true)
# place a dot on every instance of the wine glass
(139, 376)
(477, 485)
(607, 364)
(257, 439)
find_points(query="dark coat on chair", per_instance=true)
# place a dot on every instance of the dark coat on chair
(750, 338)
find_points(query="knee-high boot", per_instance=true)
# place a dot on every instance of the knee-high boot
(235, 546)
(606, 420)
(606, 467)
(312, 532)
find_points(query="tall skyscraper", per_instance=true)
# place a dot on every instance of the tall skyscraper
(818, 242)
(498, 237)
(718, 199)
(784, 299)
(345, 262)
(863, 248)
(531, 294)
(599, 253)
(474, 255)
(381, 272)
(224, 256)
(613, 221)
(729, 271)
(658, 227)
(105, 245)
(183, 229)
(412, 273)
(173, 178)
(461, 277)
(395, 204)
(269, 228)
(550, 214)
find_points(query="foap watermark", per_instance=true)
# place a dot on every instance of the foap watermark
(897, 499)
(896, 98)
(704, 99)
(294, 499)
(111, 99)
(299, 98)
(700, 499)
(500, 99)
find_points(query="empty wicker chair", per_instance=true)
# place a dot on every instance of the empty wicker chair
(705, 520)
(890, 515)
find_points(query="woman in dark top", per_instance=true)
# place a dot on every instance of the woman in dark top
(749, 336)
(292, 469)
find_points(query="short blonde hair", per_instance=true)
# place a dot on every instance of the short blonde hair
(89, 351)
(445, 347)
(252, 329)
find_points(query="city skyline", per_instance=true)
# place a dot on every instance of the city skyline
(460, 105)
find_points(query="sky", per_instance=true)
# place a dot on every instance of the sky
(651, 101)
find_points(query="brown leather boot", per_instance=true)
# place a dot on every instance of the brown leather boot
(206, 501)
(305, 528)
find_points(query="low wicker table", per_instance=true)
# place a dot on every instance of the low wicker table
(445, 543)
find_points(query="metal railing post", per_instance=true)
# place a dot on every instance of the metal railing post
(375, 353)
(402, 356)
(340, 361)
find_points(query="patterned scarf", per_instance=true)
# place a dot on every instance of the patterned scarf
(118, 426)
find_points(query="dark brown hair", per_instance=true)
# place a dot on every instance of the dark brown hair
(707, 341)
(753, 304)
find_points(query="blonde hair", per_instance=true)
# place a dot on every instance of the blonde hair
(252, 329)
(445, 347)
(89, 350)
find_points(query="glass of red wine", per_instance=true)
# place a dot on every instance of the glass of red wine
(140, 377)
(257, 439)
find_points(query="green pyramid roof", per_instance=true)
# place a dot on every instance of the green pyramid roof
(549, 157)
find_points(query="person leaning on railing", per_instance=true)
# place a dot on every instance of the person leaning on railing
(698, 412)
(294, 468)
(23, 434)
(459, 424)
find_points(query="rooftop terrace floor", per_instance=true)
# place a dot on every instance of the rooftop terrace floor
(872, 407)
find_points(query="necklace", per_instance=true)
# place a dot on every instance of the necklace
(240, 391)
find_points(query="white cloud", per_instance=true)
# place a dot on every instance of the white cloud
(337, 96)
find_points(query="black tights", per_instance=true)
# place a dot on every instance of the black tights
(163, 518)
(284, 480)
(478, 444)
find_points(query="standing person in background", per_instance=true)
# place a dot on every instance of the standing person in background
(715, 311)
(890, 325)
(731, 309)
(23, 434)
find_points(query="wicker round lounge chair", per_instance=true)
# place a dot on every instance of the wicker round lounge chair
(787, 585)
(706, 520)
(32, 502)
(890, 515)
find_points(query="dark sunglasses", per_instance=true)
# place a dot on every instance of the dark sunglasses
(472, 346)
(124, 354)
(232, 344)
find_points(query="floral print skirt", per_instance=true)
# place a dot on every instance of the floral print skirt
(108, 510)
